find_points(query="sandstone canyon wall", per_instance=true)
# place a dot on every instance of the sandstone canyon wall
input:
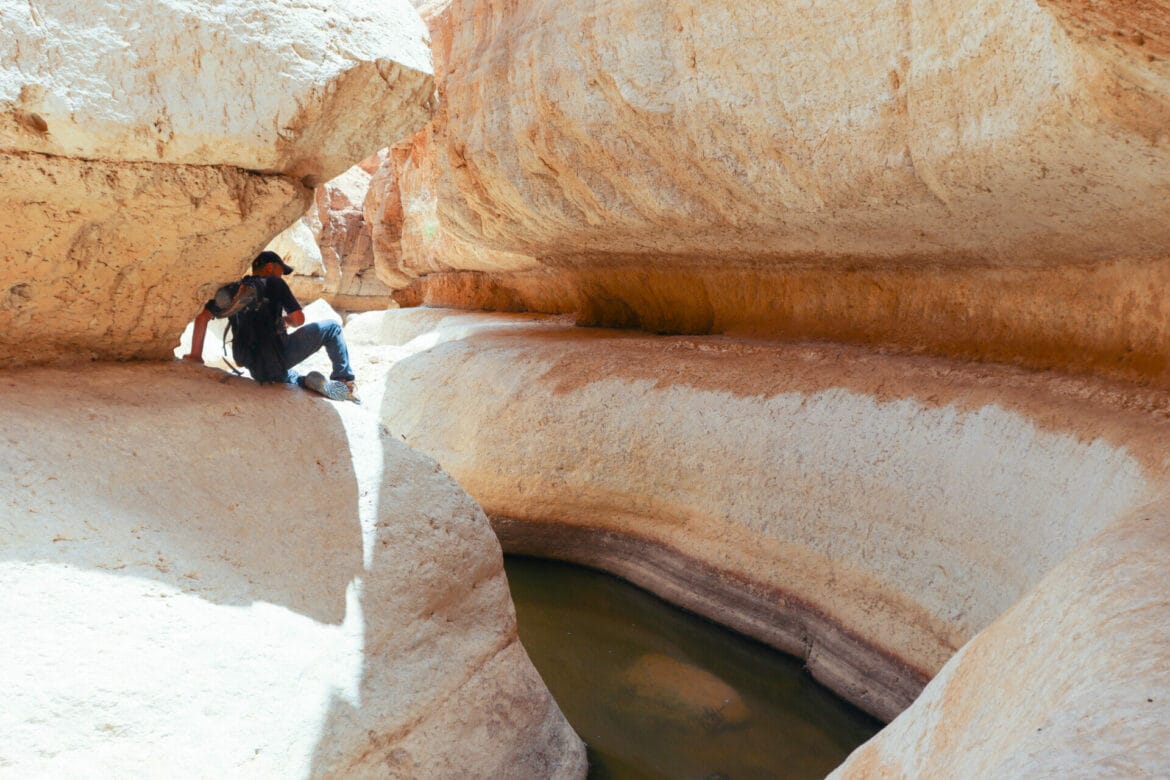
(963, 208)
(889, 519)
(150, 150)
(944, 183)
(985, 182)
(331, 245)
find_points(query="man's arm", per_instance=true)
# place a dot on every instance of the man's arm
(199, 332)
(295, 317)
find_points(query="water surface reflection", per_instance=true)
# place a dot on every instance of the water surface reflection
(658, 692)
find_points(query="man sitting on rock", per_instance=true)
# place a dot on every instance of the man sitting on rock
(260, 341)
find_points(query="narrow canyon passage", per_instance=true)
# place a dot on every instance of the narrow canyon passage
(842, 325)
(873, 514)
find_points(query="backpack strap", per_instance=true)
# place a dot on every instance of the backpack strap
(235, 369)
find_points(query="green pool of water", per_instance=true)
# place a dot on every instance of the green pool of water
(658, 692)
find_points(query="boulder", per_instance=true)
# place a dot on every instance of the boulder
(297, 244)
(1072, 681)
(248, 83)
(667, 689)
(194, 560)
(111, 259)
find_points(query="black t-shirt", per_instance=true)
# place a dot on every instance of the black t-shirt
(273, 288)
(276, 289)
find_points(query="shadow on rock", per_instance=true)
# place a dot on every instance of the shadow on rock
(217, 486)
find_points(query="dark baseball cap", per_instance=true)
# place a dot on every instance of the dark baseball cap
(266, 257)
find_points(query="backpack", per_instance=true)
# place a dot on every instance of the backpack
(257, 331)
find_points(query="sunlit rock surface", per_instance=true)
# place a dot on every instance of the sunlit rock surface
(985, 182)
(302, 89)
(148, 151)
(297, 245)
(874, 514)
(177, 601)
(1073, 681)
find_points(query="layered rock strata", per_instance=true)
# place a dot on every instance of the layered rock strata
(874, 514)
(338, 609)
(149, 150)
(907, 175)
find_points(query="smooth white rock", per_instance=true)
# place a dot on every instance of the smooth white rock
(304, 87)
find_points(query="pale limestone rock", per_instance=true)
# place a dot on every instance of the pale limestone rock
(125, 132)
(111, 259)
(297, 244)
(271, 87)
(1074, 681)
(777, 131)
(336, 609)
(875, 514)
(402, 208)
(409, 239)
(935, 177)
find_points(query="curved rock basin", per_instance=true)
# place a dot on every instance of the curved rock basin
(886, 518)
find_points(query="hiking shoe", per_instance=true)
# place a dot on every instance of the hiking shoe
(351, 386)
(330, 388)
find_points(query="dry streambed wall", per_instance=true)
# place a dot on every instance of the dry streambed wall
(871, 513)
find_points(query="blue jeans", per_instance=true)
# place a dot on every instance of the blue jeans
(309, 338)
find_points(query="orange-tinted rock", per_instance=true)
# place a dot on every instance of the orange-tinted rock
(330, 247)
(110, 260)
(344, 238)
(149, 150)
(887, 517)
(936, 178)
